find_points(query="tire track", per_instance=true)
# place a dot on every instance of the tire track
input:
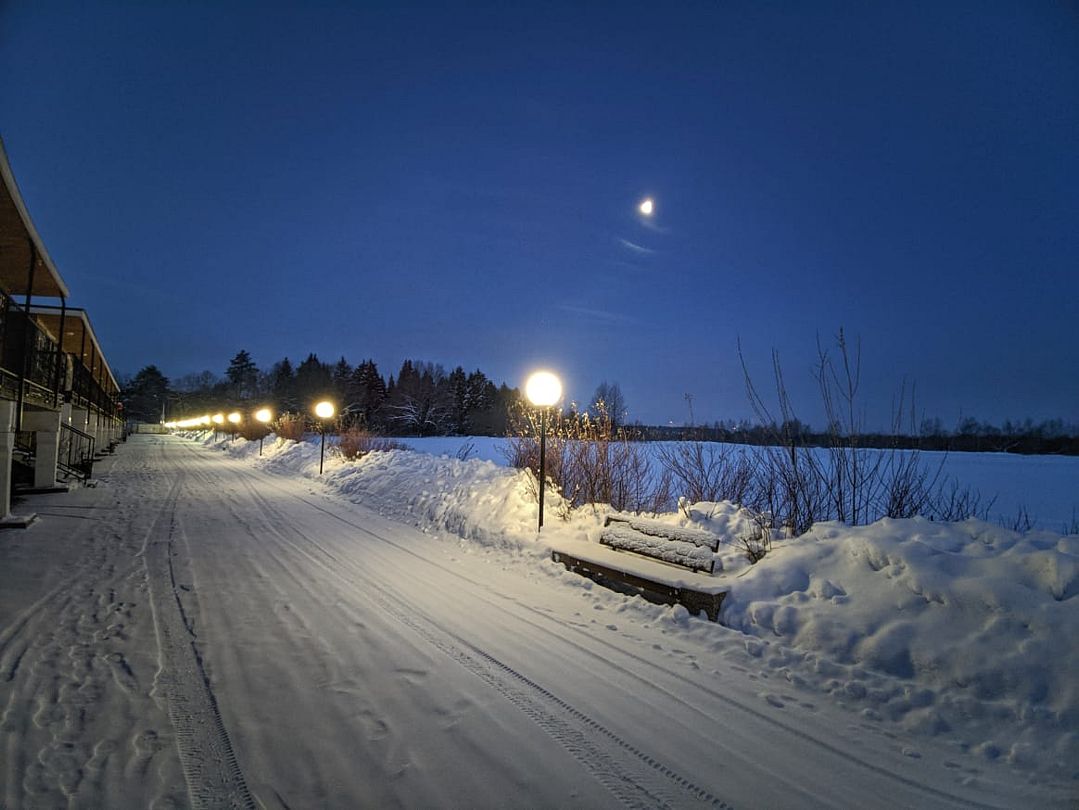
(635, 778)
(478, 589)
(210, 768)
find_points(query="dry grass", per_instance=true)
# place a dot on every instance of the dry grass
(290, 426)
(356, 442)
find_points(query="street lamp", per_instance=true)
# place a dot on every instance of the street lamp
(543, 390)
(263, 415)
(323, 410)
(234, 420)
(218, 419)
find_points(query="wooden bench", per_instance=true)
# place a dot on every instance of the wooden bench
(687, 548)
(624, 582)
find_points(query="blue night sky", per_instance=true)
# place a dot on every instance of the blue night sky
(459, 184)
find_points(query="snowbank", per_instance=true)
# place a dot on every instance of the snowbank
(974, 624)
(964, 629)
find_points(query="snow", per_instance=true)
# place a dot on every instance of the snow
(687, 554)
(1046, 487)
(211, 626)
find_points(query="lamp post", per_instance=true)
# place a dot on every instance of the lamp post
(263, 415)
(218, 419)
(323, 410)
(234, 420)
(543, 390)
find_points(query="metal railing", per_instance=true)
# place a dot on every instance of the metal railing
(27, 351)
(76, 457)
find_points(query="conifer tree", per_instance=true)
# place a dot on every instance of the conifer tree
(243, 376)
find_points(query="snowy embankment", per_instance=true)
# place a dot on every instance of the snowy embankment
(960, 631)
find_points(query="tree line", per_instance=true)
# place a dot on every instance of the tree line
(421, 399)
(1049, 437)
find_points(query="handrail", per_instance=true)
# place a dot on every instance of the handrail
(76, 455)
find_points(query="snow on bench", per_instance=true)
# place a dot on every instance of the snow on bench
(654, 528)
(623, 538)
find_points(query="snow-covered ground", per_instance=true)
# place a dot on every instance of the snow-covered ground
(209, 626)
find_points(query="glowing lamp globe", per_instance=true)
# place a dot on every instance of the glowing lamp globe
(263, 415)
(324, 410)
(235, 418)
(543, 389)
(218, 418)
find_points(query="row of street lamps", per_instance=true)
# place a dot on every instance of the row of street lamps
(542, 388)
(324, 411)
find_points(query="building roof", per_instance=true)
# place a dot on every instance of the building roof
(17, 234)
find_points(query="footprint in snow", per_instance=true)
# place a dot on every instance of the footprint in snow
(772, 700)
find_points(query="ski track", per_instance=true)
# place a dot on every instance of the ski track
(635, 778)
(558, 629)
(213, 776)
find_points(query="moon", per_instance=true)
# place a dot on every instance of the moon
(647, 206)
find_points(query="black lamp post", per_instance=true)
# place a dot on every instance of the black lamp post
(543, 390)
(263, 415)
(323, 410)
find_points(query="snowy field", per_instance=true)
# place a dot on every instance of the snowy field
(208, 627)
(1047, 487)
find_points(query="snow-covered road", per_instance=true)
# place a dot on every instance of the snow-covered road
(209, 634)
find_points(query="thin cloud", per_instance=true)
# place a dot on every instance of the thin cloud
(600, 316)
(641, 249)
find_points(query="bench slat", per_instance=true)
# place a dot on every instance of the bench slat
(654, 528)
(687, 555)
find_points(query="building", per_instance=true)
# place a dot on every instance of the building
(59, 401)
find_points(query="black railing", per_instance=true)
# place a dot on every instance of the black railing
(76, 457)
(86, 391)
(27, 352)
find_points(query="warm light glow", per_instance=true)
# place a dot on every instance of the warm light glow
(647, 206)
(324, 410)
(218, 418)
(543, 388)
(264, 415)
(235, 418)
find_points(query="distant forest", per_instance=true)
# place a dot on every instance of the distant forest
(423, 399)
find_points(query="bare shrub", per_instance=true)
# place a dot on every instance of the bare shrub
(706, 471)
(1071, 527)
(845, 480)
(355, 442)
(465, 451)
(757, 541)
(253, 431)
(1021, 522)
(951, 502)
(290, 426)
(589, 461)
